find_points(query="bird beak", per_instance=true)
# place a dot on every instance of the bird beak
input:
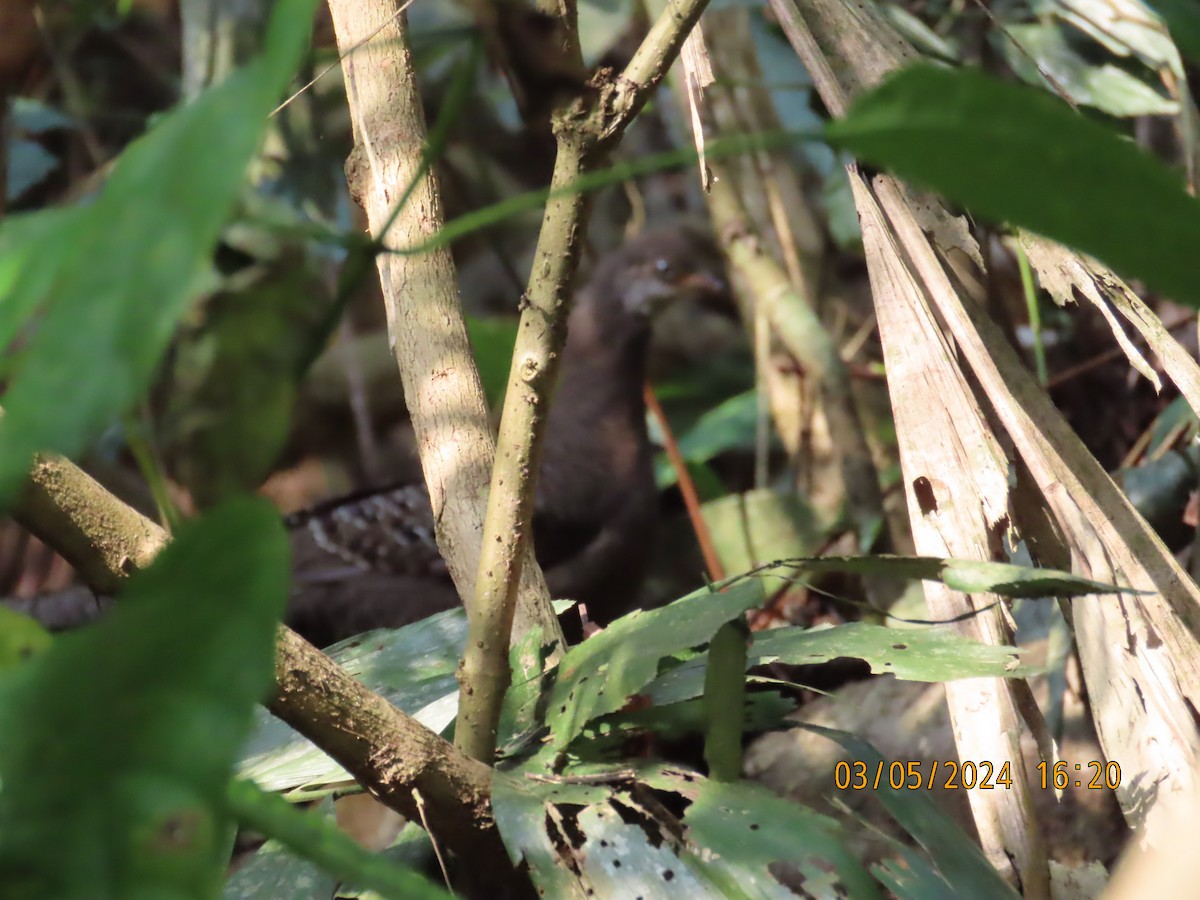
(704, 283)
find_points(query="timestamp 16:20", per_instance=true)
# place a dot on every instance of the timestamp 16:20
(1063, 774)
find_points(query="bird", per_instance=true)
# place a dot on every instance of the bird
(370, 560)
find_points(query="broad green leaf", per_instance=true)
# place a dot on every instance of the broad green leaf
(492, 339)
(119, 739)
(527, 817)
(33, 249)
(762, 525)
(969, 576)
(728, 426)
(598, 677)
(1015, 154)
(592, 833)
(914, 654)
(609, 736)
(21, 638)
(748, 829)
(910, 876)
(274, 871)
(582, 841)
(1124, 28)
(233, 376)
(135, 257)
(601, 674)
(414, 668)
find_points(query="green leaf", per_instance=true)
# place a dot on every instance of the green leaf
(233, 377)
(910, 876)
(21, 638)
(413, 668)
(593, 833)
(493, 339)
(969, 576)
(598, 677)
(1015, 154)
(274, 871)
(747, 828)
(913, 654)
(602, 673)
(524, 816)
(119, 281)
(762, 525)
(725, 701)
(728, 426)
(119, 739)
(761, 711)
(47, 237)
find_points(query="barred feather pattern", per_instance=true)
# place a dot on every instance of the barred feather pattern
(389, 532)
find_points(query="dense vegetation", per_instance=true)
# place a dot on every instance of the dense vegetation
(913, 437)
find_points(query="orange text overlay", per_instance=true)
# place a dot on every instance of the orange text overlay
(915, 775)
(951, 775)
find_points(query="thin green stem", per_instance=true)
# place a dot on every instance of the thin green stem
(149, 464)
(1035, 315)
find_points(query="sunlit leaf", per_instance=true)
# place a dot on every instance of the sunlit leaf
(1020, 155)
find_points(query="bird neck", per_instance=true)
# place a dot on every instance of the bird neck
(596, 438)
(604, 361)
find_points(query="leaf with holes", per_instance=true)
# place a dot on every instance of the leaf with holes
(596, 832)
(746, 828)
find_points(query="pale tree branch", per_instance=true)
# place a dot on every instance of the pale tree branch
(425, 322)
(391, 754)
(586, 130)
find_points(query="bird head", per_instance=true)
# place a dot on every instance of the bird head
(631, 285)
(664, 266)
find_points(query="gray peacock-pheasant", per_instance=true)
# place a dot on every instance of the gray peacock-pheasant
(370, 560)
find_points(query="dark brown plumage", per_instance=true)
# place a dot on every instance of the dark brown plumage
(372, 562)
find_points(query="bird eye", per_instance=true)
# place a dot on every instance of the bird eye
(664, 267)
